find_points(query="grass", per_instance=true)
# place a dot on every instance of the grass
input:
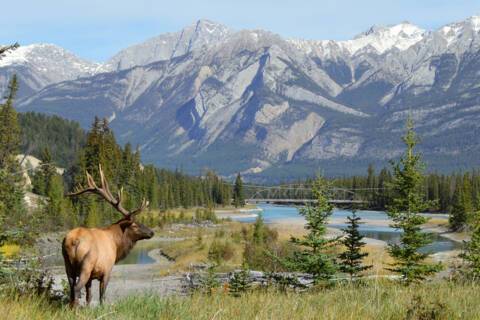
(376, 300)
(10, 250)
(195, 250)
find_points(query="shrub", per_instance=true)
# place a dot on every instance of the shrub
(220, 251)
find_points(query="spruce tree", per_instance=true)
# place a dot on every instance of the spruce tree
(313, 256)
(458, 214)
(238, 196)
(471, 254)
(11, 178)
(44, 174)
(407, 204)
(351, 260)
(239, 282)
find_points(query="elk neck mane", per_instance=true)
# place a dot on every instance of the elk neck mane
(122, 240)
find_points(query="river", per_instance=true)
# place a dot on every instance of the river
(375, 226)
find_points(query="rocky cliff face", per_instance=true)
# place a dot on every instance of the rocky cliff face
(254, 102)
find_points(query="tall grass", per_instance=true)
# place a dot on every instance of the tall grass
(377, 300)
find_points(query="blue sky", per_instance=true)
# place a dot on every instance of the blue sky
(97, 29)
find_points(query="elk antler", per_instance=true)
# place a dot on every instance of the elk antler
(104, 191)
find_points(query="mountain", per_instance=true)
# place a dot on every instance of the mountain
(39, 65)
(276, 108)
(168, 46)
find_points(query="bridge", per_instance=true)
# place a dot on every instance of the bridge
(301, 201)
(300, 194)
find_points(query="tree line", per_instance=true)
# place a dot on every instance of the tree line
(59, 142)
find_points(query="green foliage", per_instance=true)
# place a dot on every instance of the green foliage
(407, 202)
(471, 255)
(209, 282)
(240, 282)
(238, 195)
(63, 138)
(461, 213)
(262, 249)
(313, 256)
(44, 174)
(352, 258)
(12, 210)
(220, 251)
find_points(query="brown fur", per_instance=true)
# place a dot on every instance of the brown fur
(90, 253)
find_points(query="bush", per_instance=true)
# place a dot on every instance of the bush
(220, 251)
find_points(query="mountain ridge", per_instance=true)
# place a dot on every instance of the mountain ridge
(254, 102)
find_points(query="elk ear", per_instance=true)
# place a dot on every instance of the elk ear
(124, 224)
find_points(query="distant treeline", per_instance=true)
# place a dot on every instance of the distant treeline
(164, 189)
(443, 191)
(62, 137)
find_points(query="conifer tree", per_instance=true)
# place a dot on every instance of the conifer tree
(240, 282)
(458, 214)
(407, 204)
(11, 179)
(238, 196)
(44, 174)
(471, 254)
(352, 258)
(312, 257)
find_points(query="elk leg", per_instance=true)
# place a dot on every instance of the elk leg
(82, 281)
(88, 288)
(103, 287)
(71, 281)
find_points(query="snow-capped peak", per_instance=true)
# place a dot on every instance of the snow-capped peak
(454, 31)
(48, 57)
(20, 55)
(401, 36)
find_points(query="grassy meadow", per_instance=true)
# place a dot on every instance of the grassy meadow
(374, 300)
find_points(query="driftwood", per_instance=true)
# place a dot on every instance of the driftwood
(258, 279)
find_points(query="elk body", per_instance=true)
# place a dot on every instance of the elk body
(90, 253)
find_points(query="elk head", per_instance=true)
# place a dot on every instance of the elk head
(132, 229)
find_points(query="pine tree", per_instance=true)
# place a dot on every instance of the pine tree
(11, 179)
(467, 199)
(458, 214)
(352, 258)
(407, 203)
(240, 282)
(313, 257)
(9, 128)
(471, 253)
(238, 196)
(44, 174)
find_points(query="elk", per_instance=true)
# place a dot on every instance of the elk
(90, 253)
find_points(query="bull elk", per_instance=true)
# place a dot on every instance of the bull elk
(90, 253)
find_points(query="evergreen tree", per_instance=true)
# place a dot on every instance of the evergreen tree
(407, 203)
(58, 208)
(238, 196)
(458, 214)
(259, 230)
(467, 199)
(9, 128)
(313, 257)
(44, 174)
(471, 254)
(352, 258)
(239, 282)
(11, 178)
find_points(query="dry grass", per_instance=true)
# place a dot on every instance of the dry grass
(374, 300)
